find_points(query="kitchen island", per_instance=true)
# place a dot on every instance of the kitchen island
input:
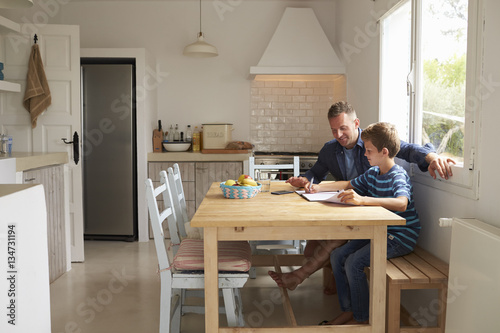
(46, 169)
(24, 286)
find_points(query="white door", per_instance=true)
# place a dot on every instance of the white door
(60, 51)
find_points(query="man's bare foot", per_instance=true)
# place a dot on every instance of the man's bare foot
(286, 280)
(341, 319)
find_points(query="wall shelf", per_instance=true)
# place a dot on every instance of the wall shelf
(7, 25)
(6, 86)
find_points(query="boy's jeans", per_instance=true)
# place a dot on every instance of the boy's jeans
(348, 264)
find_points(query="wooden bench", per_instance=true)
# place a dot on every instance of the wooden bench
(417, 270)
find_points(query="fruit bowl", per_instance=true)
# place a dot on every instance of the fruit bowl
(176, 146)
(239, 192)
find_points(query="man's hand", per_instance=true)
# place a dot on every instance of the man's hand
(297, 181)
(440, 165)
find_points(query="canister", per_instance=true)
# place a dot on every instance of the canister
(217, 135)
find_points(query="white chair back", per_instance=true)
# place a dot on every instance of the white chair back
(179, 200)
(253, 168)
(158, 216)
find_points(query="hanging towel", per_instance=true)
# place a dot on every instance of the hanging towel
(37, 95)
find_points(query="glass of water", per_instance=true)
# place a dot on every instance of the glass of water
(265, 179)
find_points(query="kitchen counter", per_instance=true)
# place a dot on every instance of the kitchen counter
(27, 161)
(190, 156)
(25, 265)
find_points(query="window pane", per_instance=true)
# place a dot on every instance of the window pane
(395, 66)
(443, 62)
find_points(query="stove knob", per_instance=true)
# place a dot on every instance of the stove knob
(302, 165)
(310, 165)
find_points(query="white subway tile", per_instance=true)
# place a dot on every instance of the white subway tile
(286, 84)
(299, 84)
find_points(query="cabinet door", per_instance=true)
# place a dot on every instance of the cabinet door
(209, 172)
(52, 179)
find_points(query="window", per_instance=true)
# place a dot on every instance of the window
(429, 69)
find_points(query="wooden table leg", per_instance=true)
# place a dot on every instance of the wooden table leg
(377, 279)
(211, 280)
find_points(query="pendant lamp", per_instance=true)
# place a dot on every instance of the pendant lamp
(16, 3)
(200, 48)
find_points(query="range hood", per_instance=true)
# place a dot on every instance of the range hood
(299, 46)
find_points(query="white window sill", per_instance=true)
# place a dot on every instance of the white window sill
(464, 182)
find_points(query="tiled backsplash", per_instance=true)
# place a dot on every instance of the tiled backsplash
(292, 115)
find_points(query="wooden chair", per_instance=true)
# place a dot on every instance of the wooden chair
(234, 260)
(179, 200)
(274, 247)
(254, 168)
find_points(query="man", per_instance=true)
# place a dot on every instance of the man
(344, 157)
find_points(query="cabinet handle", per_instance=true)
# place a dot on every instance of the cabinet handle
(29, 179)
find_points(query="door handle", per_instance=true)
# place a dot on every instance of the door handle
(76, 146)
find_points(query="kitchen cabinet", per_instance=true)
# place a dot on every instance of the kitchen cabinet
(188, 181)
(52, 179)
(209, 172)
(196, 179)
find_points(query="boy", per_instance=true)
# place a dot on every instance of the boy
(385, 184)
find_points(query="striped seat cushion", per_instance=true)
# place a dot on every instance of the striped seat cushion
(233, 256)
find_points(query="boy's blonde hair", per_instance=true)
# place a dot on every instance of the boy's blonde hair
(382, 135)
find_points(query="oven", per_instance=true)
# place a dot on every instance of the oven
(307, 160)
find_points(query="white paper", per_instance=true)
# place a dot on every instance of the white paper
(322, 196)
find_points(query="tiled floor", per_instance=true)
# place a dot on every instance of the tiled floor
(117, 290)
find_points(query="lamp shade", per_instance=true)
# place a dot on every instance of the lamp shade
(200, 49)
(16, 3)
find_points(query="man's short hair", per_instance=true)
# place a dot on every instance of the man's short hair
(382, 135)
(341, 107)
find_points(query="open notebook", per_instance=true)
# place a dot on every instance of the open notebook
(322, 196)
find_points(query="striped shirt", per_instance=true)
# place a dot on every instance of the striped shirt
(393, 184)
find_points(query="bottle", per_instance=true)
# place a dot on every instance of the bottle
(176, 133)
(189, 134)
(2, 140)
(201, 137)
(9, 145)
(171, 134)
(196, 139)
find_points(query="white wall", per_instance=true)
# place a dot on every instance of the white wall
(192, 91)
(362, 72)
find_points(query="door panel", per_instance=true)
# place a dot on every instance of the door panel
(60, 51)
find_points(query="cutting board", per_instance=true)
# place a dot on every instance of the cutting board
(225, 151)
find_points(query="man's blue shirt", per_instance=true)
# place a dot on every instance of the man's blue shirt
(331, 158)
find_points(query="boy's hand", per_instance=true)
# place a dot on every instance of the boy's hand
(312, 189)
(351, 197)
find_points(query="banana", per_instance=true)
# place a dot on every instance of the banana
(249, 182)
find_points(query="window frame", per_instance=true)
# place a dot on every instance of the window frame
(465, 180)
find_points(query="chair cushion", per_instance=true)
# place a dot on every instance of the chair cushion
(234, 256)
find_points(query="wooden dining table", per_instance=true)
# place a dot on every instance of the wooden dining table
(288, 217)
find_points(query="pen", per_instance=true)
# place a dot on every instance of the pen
(311, 184)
